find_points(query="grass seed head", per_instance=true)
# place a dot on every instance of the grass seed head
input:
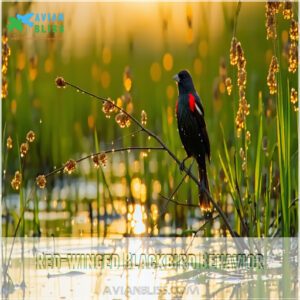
(233, 52)
(242, 153)
(271, 78)
(294, 31)
(248, 136)
(60, 82)
(271, 9)
(244, 165)
(41, 181)
(241, 61)
(99, 159)
(293, 57)
(123, 120)
(228, 84)
(242, 78)
(24, 149)
(5, 55)
(16, 181)
(4, 91)
(294, 96)
(287, 10)
(9, 143)
(108, 107)
(30, 137)
(70, 166)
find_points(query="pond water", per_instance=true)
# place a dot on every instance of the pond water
(151, 268)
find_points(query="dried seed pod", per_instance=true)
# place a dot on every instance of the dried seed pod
(287, 10)
(242, 77)
(233, 51)
(248, 136)
(244, 165)
(70, 166)
(294, 96)
(5, 55)
(108, 107)
(271, 78)
(41, 181)
(30, 137)
(9, 143)
(4, 91)
(228, 84)
(24, 149)
(294, 30)
(99, 159)
(271, 20)
(272, 83)
(16, 181)
(242, 153)
(293, 57)
(60, 82)
(123, 120)
(241, 61)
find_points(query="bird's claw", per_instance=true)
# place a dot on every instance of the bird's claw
(182, 166)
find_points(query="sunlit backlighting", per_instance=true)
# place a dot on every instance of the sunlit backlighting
(155, 72)
(137, 222)
(168, 62)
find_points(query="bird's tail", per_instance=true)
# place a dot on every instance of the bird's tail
(204, 202)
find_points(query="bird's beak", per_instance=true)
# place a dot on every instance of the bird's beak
(176, 78)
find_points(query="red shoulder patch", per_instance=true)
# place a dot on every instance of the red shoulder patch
(176, 107)
(192, 102)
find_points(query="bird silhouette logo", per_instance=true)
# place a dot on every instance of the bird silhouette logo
(18, 22)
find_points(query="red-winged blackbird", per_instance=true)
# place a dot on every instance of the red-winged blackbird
(192, 131)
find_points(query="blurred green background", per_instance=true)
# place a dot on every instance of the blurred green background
(149, 42)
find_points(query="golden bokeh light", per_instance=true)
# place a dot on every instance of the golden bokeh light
(203, 48)
(48, 65)
(127, 84)
(170, 91)
(138, 218)
(106, 55)
(13, 106)
(138, 189)
(190, 36)
(168, 61)
(91, 121)
(105, 79)
(21, 60)
(155, 71)
(197, 66)
(95, 71)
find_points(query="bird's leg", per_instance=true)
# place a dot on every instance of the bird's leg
(182, 166)
(202, 186)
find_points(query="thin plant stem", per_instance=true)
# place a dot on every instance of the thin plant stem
(199, 229)
(106, 152)
(178, 203)
(170, 198)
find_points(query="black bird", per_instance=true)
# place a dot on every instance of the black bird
(193, 134)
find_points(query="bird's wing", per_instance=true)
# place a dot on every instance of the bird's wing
(199, 105)
(198, 110)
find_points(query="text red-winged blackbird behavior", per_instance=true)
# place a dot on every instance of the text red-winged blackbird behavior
(192, 131)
